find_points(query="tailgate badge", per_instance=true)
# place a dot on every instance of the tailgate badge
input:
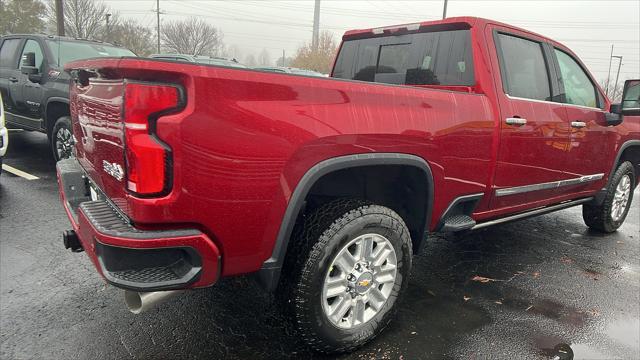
(113, 169)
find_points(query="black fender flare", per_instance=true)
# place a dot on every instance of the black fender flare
(269, 274)
(599, 198)
(56, 99)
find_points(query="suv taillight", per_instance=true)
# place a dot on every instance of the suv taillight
(148, 159)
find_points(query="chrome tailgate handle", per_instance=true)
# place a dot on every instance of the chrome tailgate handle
(516, 121)
(578, 124)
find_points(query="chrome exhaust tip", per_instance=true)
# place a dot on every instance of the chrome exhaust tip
(138, 302)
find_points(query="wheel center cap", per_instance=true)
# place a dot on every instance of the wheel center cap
(364, 282)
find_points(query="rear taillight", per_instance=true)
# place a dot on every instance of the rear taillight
(148, 159)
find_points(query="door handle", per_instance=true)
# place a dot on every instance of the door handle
(13, 79)
(516, 121)
(578, 124)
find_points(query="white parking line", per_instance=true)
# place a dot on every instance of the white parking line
(17, 172)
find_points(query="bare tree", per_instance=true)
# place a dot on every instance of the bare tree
(21, 16)
(234, 52)
(131, 35)
(250, 60)
(319, 59)
(84, 19)
(284, 62)
(264, 58)
(192, 36)
(613, 92)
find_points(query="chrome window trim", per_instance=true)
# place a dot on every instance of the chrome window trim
(552, 102)
(548, 185)
(533, 100)
(582, 106)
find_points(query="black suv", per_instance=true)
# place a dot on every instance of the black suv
(34, 87)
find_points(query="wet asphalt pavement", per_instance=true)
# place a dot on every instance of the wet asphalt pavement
(534, 289)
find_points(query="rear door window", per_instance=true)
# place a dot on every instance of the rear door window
(523, 67)
(432, 58)
(8, 53)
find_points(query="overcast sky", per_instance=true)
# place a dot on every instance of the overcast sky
(588, 27)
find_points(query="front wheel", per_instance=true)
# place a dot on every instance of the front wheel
(609, 216)
(352, 265)
(62, 139)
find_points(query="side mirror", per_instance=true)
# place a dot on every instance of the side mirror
(29, 59)
(32, 72)
(614, 116)
(29, 67)
(630, 105)
(29, 70)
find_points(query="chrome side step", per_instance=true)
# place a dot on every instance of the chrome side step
(534, 212)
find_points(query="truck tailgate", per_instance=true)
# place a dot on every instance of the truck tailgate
(98, 128)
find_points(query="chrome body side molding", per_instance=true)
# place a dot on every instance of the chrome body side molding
(548, 185)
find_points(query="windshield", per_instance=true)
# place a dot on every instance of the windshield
(67, 51)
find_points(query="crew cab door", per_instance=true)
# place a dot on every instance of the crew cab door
(590, 138)
(9, 73)
(534, 136)
(30, 94)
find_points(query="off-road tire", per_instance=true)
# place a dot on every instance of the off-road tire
(598, 217)
(62, 122)
(316, 241)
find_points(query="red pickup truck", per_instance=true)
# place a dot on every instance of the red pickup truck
(325, 187)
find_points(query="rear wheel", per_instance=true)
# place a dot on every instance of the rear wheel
(350, 266)
(609, 216)
(62, 139)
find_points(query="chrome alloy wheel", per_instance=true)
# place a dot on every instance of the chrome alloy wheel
(359, 281)
(621, 198)
(64, 143)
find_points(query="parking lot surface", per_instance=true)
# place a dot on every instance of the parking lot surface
(543, 287)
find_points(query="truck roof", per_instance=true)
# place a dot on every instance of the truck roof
(445, 24)
(56, 37)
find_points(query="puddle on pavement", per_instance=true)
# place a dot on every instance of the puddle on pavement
(625, 331)
(552, 347)
(630, 271)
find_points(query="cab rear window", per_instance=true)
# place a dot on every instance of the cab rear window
(431, 58)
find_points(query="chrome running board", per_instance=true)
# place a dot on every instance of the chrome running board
(534, 212)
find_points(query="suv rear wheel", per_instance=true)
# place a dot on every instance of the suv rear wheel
(62, 139)
(351, 264)
(609, 216)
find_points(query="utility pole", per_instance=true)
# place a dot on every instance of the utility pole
(283, 58)
(606, 86)
(60, 17)
(316, 25)
(158, 16)
(444, 11)
(615, 87)
(107, 16)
